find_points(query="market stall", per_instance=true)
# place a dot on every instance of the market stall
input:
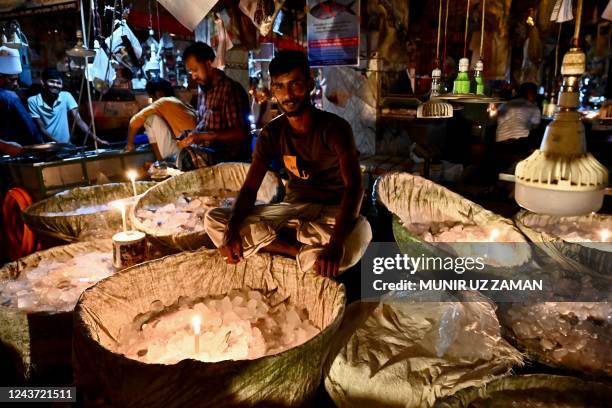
(269, 203)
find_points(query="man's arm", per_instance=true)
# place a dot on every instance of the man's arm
(328, 262)
(137, 121)
(43, 130)
(235, 114)
(31, 133)
(229, 136)
(35, 114)
(131, 136)
(83, 126)
(232, 242)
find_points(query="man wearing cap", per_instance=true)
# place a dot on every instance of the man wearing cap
(16, 126)
(50, 108)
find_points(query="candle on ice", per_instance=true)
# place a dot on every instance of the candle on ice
(196, 323)
(132, 176)
(118, 205)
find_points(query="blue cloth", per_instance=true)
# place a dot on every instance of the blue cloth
(55, 118)
(16, 125)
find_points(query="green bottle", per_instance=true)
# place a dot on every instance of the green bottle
(479, 79)
(462, 83)
(545, 105)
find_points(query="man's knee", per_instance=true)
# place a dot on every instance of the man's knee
(216, 216)
(215, 223)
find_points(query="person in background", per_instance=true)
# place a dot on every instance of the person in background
(318, 223)
(516, 120)
(223, 113)
(50, 109)
(517, 117)
(16, 125)
(164, 120)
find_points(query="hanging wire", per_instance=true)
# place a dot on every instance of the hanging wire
(576, 40)
(150, 14)
(445, 37)
(482, 30)
(557, 51)
(439, 30)
(110, 57)
(467, 24)
(159, 31)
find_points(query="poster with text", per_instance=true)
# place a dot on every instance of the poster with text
(333, 32)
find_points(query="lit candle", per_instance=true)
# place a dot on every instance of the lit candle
(604, 234)
(132, 176)
(195, 323)
(118, 205)
(494, 235)
(492, 109)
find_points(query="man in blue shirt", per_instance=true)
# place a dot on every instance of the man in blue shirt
(50, 108)
(16, 126)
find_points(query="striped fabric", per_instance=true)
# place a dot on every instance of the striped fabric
(515, 119)
(224, 105)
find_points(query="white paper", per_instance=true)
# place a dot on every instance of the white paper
(607, 14)
(188, 12)
(562, 11)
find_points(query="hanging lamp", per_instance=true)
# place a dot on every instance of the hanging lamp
(436, 108)
(80, 50)
(462, 84)
(479, 67)
(562, 178)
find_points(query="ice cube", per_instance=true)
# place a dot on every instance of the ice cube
(27, 301)
(230, 317)
(168, 208)
(254, 294)
(226, 305)
(292, 318)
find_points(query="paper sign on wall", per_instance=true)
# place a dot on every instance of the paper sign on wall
(333, 32)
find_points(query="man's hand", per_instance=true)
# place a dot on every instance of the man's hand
(187, 141)
(328, 262)
(231, 250)
(130, 147)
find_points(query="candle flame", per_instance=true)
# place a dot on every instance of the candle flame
(131, 175)
(494, 235)
(196, 321)
(604, 234)
(492, 109)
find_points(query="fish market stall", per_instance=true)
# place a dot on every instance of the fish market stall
(586, 239)
(255, 333)
(55, 171)
(38, 294)
(172, 213)
(83, 213)
(426, 213)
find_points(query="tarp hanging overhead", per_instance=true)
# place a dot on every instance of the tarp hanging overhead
(188, 12)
